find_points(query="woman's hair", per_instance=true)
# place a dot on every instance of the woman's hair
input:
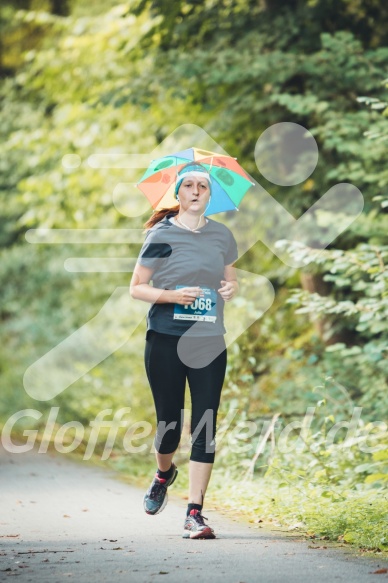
(160, 214)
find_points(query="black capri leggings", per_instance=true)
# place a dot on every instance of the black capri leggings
(167, 376)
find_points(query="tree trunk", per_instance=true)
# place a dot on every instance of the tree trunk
(314, 283)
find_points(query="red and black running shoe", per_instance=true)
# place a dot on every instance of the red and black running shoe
(195, 526)
(156, 497)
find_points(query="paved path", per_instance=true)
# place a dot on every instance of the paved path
(65, 520)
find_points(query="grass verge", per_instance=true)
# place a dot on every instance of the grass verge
(354, 519)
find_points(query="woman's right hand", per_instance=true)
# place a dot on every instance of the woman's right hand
(186, 295)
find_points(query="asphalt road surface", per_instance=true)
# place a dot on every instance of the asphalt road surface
(64, 520)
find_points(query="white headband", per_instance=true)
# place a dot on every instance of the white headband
(194, 173)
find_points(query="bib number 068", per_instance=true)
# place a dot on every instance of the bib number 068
(200, 304)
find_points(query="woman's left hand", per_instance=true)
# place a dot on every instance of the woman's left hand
(228, 290)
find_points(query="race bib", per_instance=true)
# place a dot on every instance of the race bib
(202, 309)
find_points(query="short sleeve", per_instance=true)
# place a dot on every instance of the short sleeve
(231, 254)
(152, 251)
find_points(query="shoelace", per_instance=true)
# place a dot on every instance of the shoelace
(198, 517)
(156, 490)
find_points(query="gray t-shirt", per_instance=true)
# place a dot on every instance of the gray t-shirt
(182, 258)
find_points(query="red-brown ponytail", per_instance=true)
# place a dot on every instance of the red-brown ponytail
(159, 216)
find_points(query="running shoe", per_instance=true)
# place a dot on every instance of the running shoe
(156, 496)
(195, 526)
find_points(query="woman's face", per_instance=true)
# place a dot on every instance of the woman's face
(194, 193)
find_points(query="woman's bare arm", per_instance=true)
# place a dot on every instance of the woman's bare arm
(140, 289)
(229, 284)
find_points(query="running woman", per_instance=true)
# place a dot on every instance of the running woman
(189, 259)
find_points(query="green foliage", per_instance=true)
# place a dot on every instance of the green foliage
(357, 302)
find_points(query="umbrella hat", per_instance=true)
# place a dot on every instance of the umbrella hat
(229, 182)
